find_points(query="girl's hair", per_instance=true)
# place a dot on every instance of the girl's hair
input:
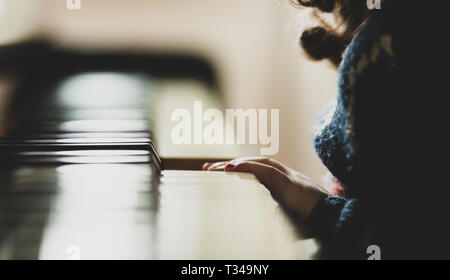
(326, 42)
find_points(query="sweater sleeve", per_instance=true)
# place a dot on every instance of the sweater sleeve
(342, 227)
(325, 216)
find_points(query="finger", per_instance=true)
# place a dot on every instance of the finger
(264, 160)
(218, 166)
(206, 165)
(269, 176)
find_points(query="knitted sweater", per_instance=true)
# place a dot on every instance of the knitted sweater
(382, 139)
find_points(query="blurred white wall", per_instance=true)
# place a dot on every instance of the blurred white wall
(252, 43)
(18, 19)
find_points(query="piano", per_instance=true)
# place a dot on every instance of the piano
(82, 176)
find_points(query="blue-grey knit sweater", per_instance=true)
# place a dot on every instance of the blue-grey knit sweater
(384, 139)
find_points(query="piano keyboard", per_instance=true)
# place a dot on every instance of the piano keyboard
(80, 179)
(82, 157)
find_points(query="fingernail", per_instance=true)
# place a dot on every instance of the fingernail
(205, 165)
(230, 166)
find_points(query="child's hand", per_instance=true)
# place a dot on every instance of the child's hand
(295, 192)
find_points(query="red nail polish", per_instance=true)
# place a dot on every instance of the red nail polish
(230, 166)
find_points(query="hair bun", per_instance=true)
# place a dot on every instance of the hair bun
(320, 44)
(325, 42)
(323, 5)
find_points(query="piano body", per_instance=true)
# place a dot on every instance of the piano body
(82, 176)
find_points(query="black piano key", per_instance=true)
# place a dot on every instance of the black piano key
(79, 135)
(84, 140)
(63, 160)
(142, 153)
(51, 147)
(83, 126)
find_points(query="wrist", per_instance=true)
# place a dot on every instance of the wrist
(315, 196)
